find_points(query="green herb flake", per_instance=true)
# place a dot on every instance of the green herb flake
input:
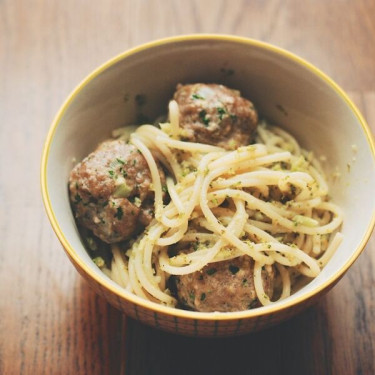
(120, 161)
(137, 202)
(111, 173)
(119, 213)
(203, 117)
(221, 111)
(164, 188)
(233, 117)
(196, 245)
(134, 162)
(192, 296)
(197, 96)
(122, 191)
(211, 271)
(203, 296)
(99, 261)
(77, 198)
(233, 269)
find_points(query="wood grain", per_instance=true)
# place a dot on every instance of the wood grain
(50, 321)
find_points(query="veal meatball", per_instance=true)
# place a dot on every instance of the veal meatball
(216, 115)
(223, 286)
(110, 191)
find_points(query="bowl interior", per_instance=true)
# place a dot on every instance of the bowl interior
(136, 86)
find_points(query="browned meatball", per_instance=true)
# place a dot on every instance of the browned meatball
(110, 191)
(216, 115)
(223, 286)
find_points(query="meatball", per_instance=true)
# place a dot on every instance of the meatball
(216, 115)
(223, 286)
(110, 191)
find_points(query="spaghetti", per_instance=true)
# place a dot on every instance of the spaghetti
(268, 201)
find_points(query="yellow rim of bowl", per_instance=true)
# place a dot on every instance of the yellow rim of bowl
(270, 309)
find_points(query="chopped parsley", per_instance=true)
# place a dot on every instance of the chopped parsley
(120, 161)
(99, 261)
(111, 173)
(119, 213)
(221, 111)
(137, 202)
(203, 117)
(77, 198)
(233, 269)
(192, 296)
(164, 188)
(197, 96)
(134, 162)
(203, 296)
(122, 191)
(211, 271)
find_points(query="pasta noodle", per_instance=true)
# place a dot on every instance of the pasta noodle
(297, 235)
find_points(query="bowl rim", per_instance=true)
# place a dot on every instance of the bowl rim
(172, 311)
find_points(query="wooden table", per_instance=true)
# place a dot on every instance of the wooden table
(51, 322)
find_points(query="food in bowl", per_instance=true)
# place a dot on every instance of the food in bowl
(211, 210)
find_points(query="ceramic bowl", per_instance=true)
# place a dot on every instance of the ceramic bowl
(289, 91)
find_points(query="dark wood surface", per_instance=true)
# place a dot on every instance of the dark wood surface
(51, 322)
